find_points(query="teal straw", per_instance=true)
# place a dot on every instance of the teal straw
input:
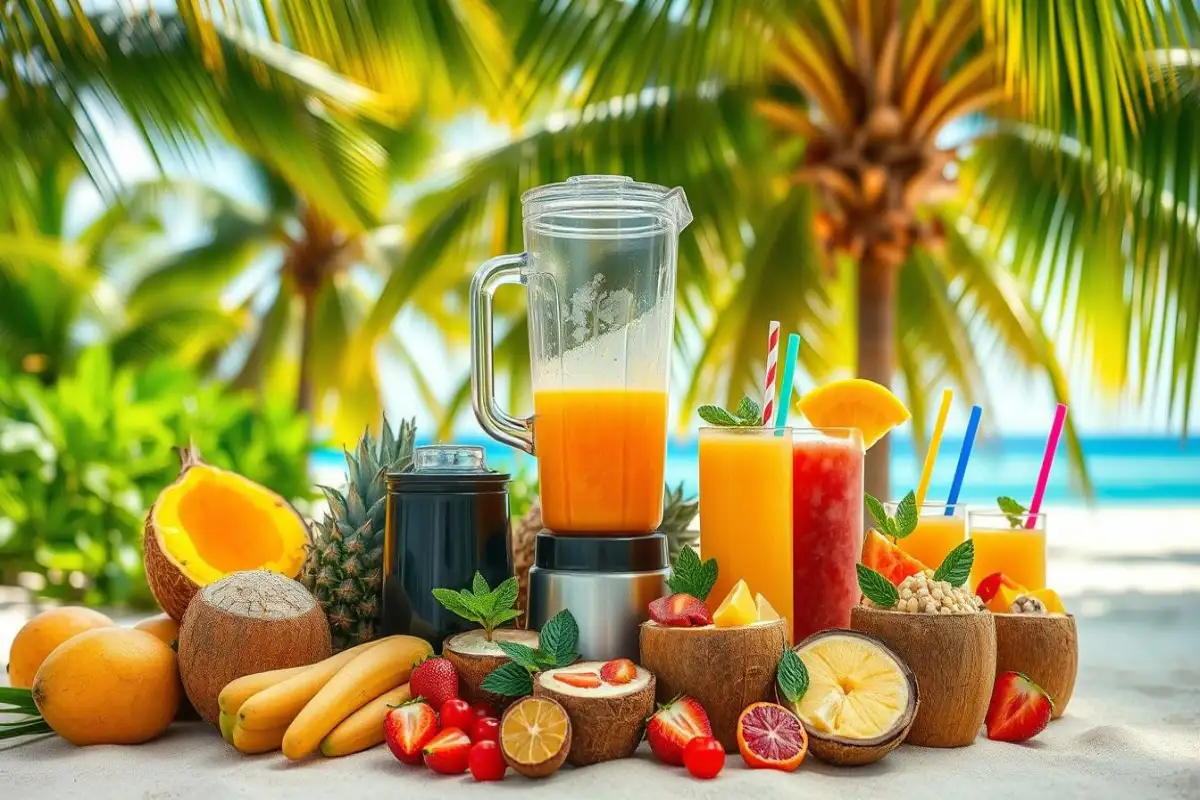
(961, 470)
(789, 375)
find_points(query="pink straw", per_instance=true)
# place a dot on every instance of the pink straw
(1060, 418)
(772, 359)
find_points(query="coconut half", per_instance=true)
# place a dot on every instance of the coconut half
(861, 699)
(725, 669)
(953, 658)
(1044, 647)
(474, 656)
(607, 720)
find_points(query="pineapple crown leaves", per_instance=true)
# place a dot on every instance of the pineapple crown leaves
(558, 646)
(692, 576)
(481, 604)
(746, 415)
(903, 523)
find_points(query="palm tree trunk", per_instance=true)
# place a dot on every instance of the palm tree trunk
(305, 391)
(877, 352)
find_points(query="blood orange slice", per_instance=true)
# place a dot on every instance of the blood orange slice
(887, 559)
(771, 737)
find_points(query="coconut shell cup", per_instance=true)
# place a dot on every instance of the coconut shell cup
(953, 658)
(472, 667)
(1045, 648)
(607, 722)
(725, 669)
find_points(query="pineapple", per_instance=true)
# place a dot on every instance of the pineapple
(343, 567)
(678, 514)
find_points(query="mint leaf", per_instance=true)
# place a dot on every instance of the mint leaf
(479, 586)
(956, 566)
(882, 520)
(507, 615)
(559, 638)
(453, 602)
(503, 597)
(906, 515)
(691, 576)
(521, 654)
(1013, 510)
(876, 588)
(508, 680)
(792, 677)
(748, 412)
(715, 415)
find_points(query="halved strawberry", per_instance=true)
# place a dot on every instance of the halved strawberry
(448, 753)
(618, 671)
(680, 611)
(1019, 709)
(408, 728)
(988, 587)
(580, 680)
(674, 725)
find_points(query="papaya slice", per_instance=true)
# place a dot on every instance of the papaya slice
(887, 559)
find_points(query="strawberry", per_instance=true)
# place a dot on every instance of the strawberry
(1019, 709)
(680, 611)
(618, 671)
(674, 725)
(408, 728)
(448, 753)
(580, 680)
(434, 679)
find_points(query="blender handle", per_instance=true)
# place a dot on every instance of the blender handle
(496, 422)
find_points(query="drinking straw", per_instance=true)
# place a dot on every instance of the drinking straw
(935, 442)
(961, 470)
(772, 358)
(1056, 428)
(789, 375)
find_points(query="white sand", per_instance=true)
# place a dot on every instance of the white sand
(1132, 729)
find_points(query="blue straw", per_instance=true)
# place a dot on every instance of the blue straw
(961, 470)
(789, 375)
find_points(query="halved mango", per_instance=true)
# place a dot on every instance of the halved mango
(1050, 598)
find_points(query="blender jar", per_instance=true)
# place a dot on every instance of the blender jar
(599, 271)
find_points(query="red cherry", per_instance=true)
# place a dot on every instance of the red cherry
(456, 713)
(486, 730)
(704, 757)
(482, 709)
(486, 761)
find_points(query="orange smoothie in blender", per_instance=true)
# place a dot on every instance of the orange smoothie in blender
(601, 455)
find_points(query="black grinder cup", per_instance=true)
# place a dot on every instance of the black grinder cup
(447, 517)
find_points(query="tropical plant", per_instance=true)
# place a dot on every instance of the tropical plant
(906, 176)
(82, 460)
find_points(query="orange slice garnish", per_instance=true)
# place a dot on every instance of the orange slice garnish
(855, 403)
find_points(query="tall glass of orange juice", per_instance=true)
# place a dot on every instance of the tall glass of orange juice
(937, 532)
(1007, 545)
(746, 509)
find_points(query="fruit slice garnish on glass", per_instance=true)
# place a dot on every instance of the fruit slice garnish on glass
(855, 403)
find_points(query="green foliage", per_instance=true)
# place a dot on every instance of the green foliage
(487, 607)
(82, 460)
(522, 491)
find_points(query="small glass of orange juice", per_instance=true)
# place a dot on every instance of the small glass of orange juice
(936, 534)
(1004, 544)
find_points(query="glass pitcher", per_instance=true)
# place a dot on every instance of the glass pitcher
(599, 273)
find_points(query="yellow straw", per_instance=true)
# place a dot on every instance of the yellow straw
(935, 441)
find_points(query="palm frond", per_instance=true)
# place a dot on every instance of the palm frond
(186, 335)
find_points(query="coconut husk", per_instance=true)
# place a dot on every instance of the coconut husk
(246, 623)
(725, 669)
(604, 727)
(1045, 648)
(472, 668)
(952, 656)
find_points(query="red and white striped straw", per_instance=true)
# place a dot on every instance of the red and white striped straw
(772, 361)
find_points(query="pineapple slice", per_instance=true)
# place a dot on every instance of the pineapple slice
(856, 689)
(737, 608)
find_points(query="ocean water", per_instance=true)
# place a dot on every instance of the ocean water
(1124, 470)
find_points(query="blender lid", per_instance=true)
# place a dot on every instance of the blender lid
(578, 553)
(609, 190)
(446, 467)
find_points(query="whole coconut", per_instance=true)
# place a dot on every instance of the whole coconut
(246, 623)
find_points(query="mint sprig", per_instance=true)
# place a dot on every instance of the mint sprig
(876, 588)
(748, 414)
(691, 576)
(1013, 510)
(956, 566)
(558, 646)
(791, 676)
(489, 608)
(903, 523)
